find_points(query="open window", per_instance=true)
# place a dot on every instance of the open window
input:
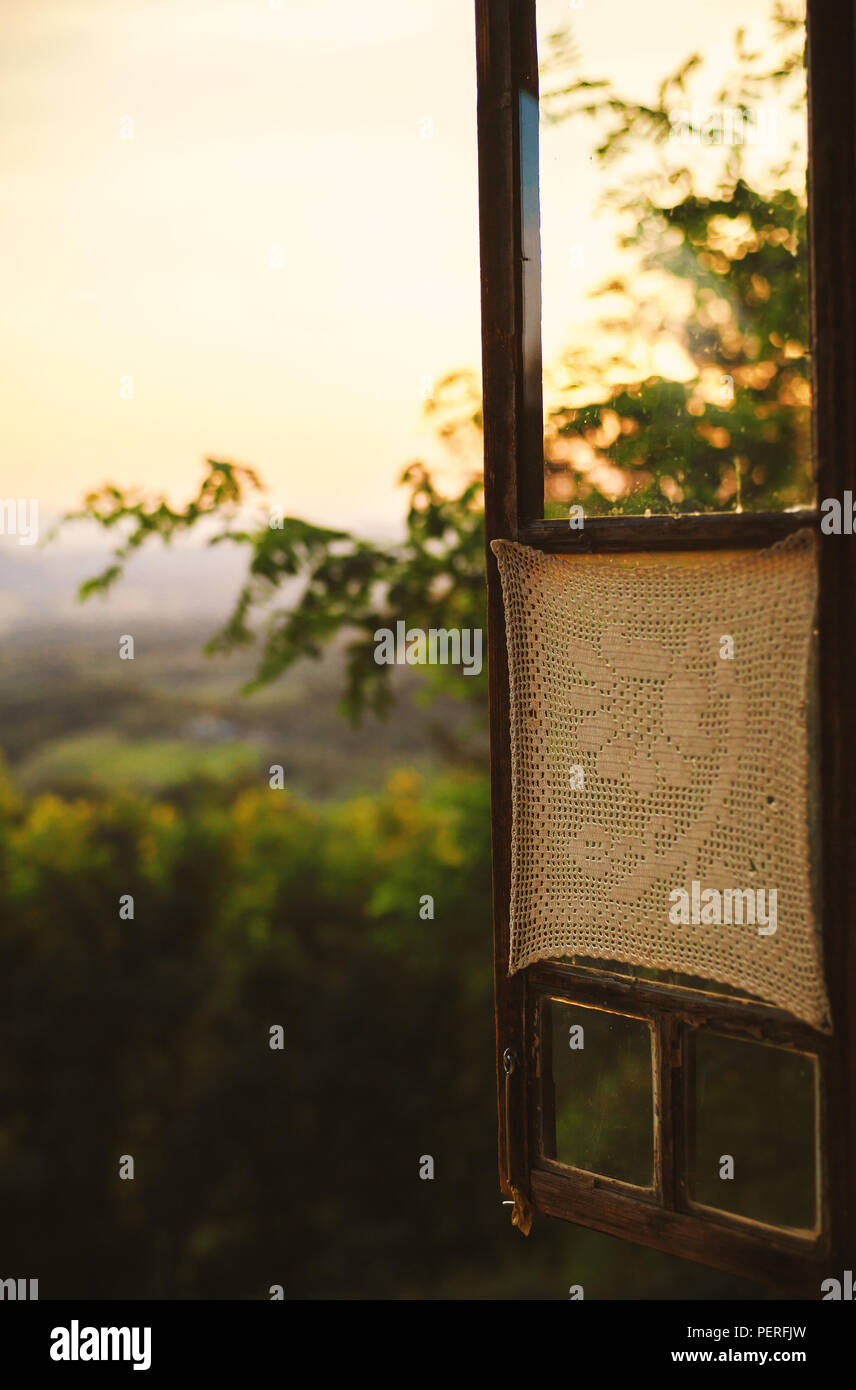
(686, 1080)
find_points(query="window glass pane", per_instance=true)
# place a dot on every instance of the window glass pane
(602, 1092)
(674, 266)
(754, 1139)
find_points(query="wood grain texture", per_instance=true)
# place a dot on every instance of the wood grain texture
(748, 1249)
(501, 370)
(832, 241)
(697, 531)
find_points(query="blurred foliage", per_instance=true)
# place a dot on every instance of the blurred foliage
(151, 1038)
(435, 576)
(603, 1093)
(762, 1100)
(720, 273)
(256, 1166)
(735, 434)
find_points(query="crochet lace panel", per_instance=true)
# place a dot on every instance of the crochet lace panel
(660, 764)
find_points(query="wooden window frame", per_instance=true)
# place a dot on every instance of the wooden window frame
(513, 443)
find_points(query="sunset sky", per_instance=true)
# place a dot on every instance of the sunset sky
(286, 251)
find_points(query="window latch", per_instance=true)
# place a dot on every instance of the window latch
(521, 1215)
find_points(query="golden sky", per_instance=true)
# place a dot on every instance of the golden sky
(286, 250)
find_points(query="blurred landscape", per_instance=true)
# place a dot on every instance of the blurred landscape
(252, 908)
(76, 719)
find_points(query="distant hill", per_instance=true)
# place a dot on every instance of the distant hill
(38, 584)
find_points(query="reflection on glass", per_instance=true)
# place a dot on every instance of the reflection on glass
(602, 1096)
(755, 1106)
(675, 291)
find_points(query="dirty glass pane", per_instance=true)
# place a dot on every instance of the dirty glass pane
(602, 1093)
(674, 268)
(753, 1131)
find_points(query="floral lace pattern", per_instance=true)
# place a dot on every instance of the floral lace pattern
(659, 740)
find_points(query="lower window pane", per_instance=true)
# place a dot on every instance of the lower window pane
(755, 1131)
(601, 1096)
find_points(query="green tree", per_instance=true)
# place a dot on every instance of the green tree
(435, 576)
(730, 262)
(737, 254)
